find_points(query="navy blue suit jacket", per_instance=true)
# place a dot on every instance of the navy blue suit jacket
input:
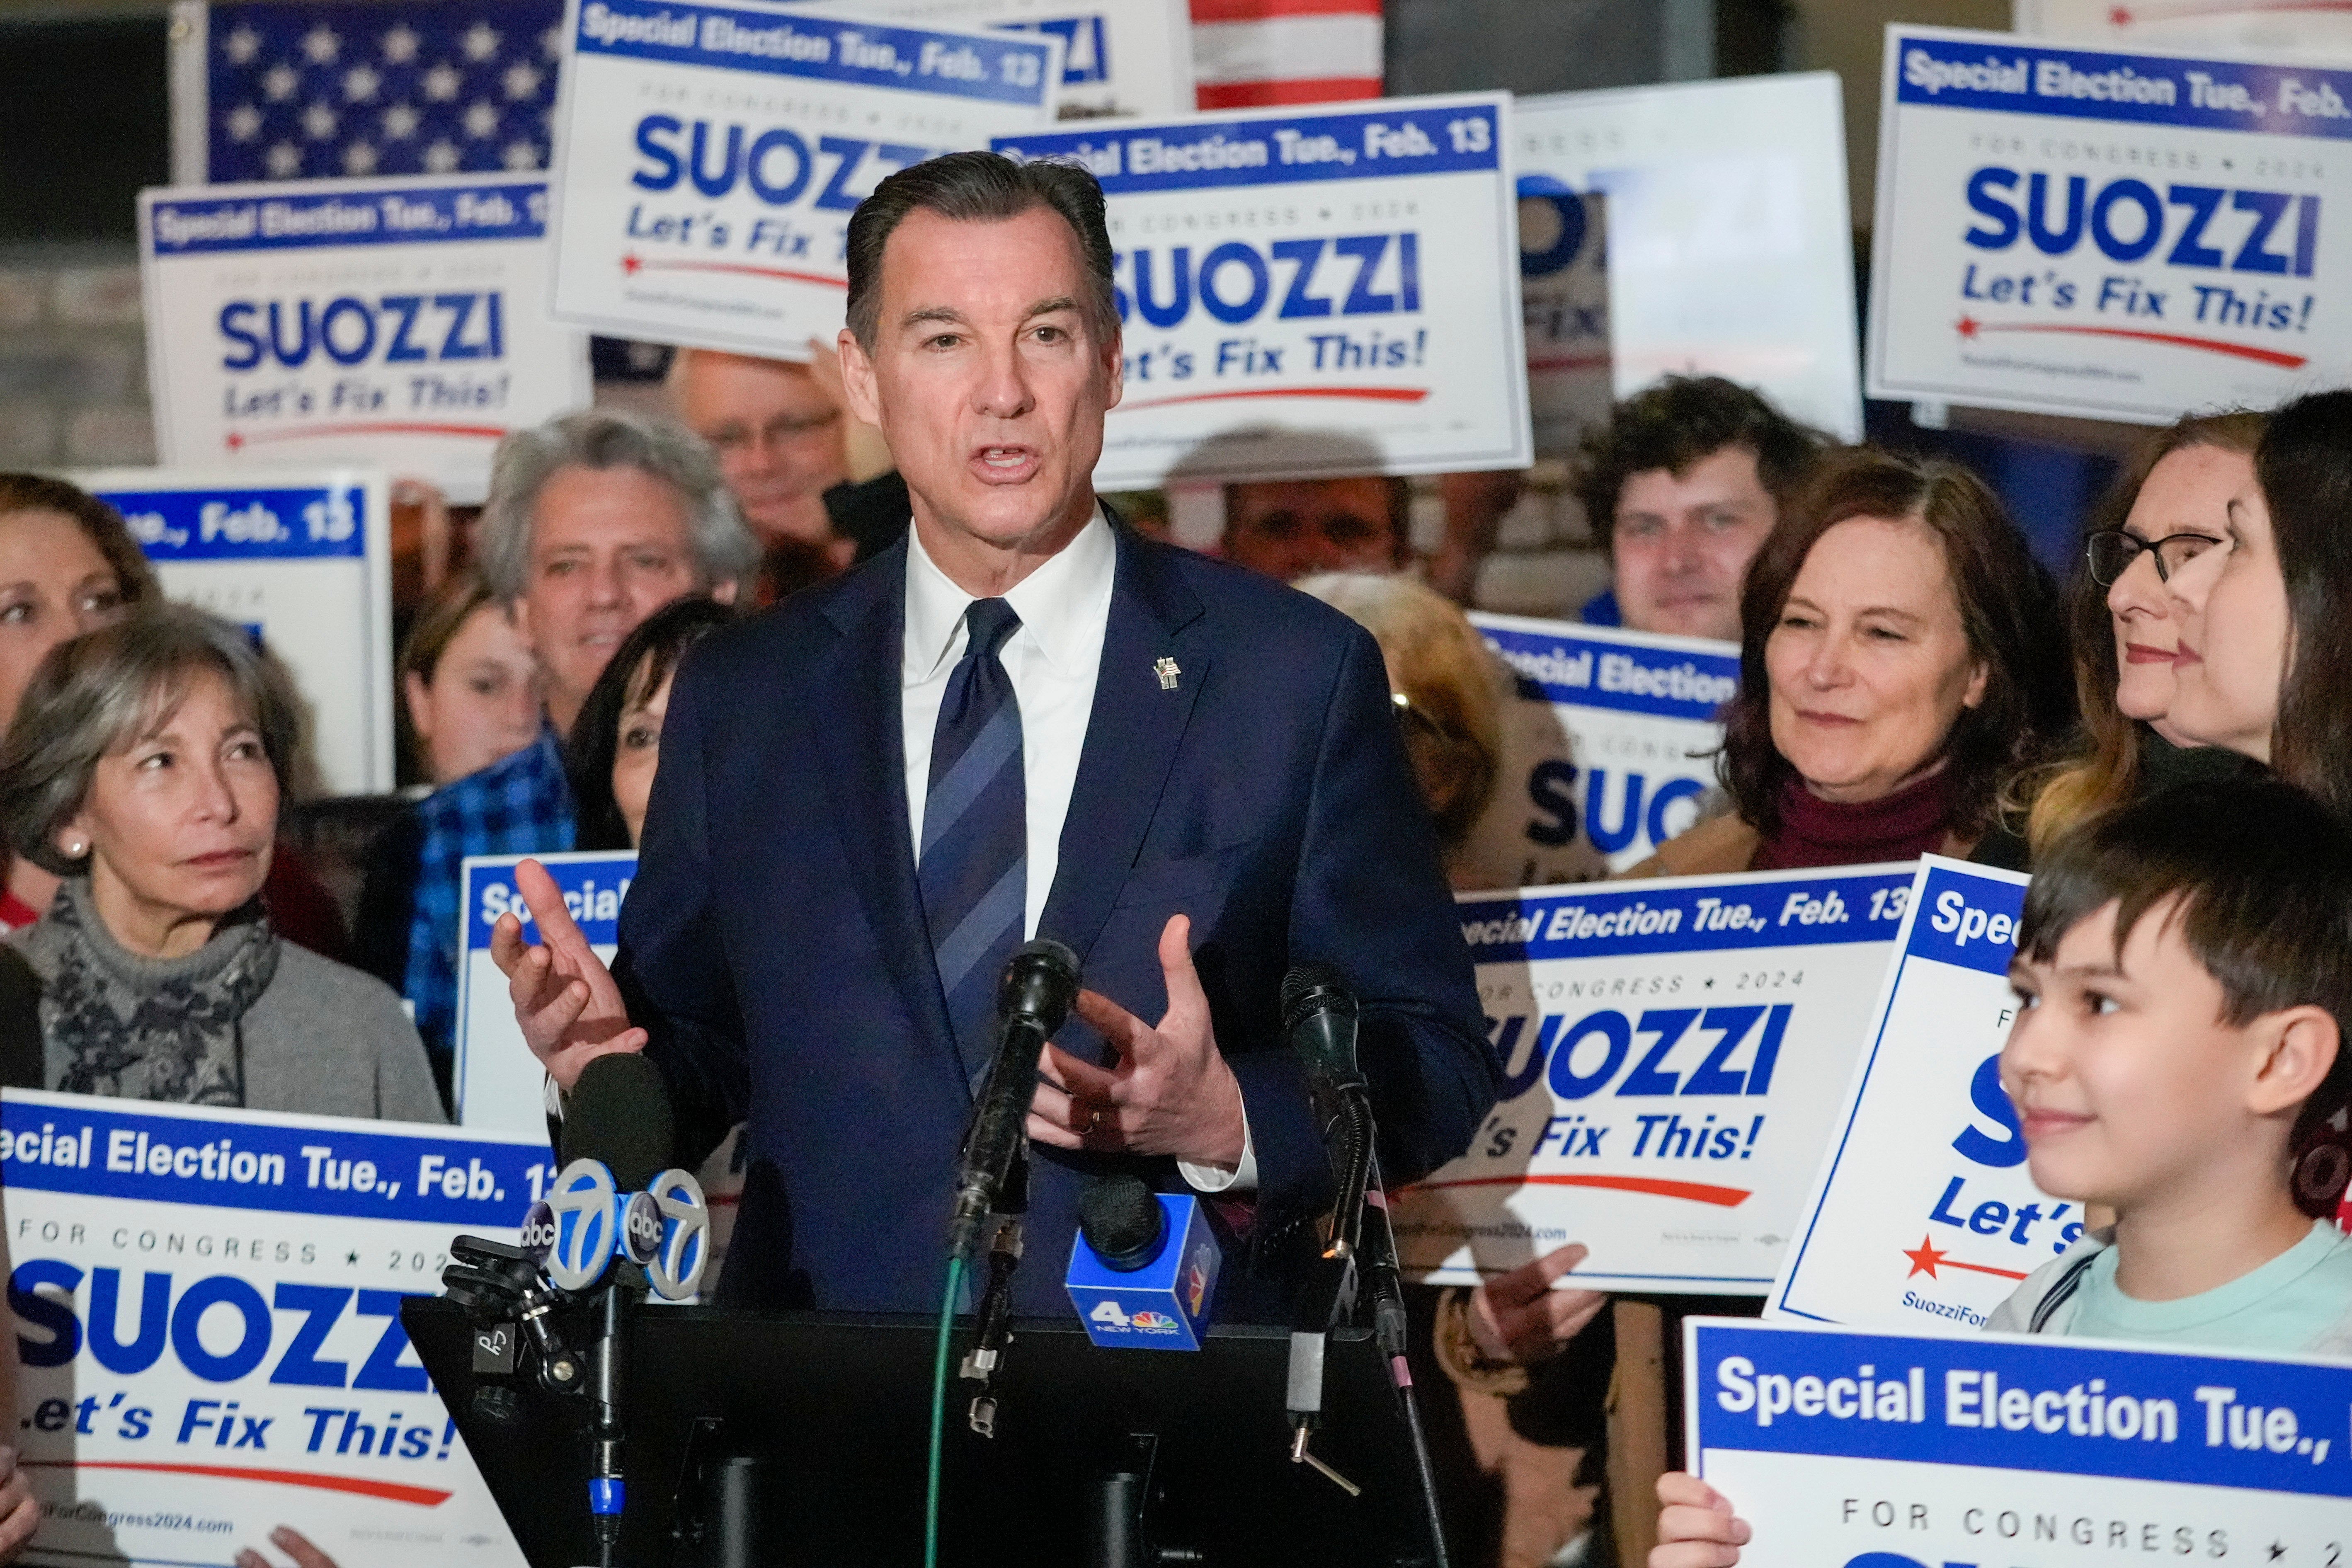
(773, 941)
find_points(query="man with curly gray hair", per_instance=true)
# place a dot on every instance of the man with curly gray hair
(594, 521)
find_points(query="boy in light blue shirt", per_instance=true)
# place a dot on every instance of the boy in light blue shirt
(2183, 973)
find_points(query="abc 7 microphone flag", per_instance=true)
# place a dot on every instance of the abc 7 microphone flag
(585, 1223)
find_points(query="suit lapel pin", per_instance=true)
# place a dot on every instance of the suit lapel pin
(1165, 668)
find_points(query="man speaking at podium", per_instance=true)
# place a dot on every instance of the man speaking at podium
(1024, 719)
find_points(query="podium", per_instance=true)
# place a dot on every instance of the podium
(822, 1422)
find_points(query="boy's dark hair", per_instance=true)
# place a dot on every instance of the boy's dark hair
(1677, 422)
(979, 187)
(2263, 874)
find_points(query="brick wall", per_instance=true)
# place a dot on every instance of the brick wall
(73, 364)
(1544, 562)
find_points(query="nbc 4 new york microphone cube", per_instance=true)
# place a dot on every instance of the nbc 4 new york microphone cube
(1162, 1305)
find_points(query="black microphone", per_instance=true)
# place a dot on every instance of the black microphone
(1041, 981)
(618, 1113)
(1122, 1221)
(1318, 1016)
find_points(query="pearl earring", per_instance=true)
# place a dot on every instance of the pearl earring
(76, 850)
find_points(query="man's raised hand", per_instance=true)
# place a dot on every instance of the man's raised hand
(565, 999)
(1169, 1092)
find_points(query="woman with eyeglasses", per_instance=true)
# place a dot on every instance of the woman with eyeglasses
(2168, 509)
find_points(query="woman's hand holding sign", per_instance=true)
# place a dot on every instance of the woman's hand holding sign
(20, 1511)
(1518, 1316)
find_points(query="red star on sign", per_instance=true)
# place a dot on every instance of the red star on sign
(234, 441)
(629, 264)
(1924, 1260)
(2121, 17)
(1967, 326)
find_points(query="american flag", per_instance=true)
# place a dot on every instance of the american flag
(1247, 53)
(298, 90)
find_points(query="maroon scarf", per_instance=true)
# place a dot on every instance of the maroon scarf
(1814, 831)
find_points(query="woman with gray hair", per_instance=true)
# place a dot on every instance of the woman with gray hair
(145, 767)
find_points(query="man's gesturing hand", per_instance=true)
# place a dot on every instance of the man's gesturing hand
(565, 997)
(1170, 1092)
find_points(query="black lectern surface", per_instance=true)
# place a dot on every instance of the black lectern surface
(837, 1407)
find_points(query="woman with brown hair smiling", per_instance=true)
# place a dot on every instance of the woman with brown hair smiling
(1901, 656)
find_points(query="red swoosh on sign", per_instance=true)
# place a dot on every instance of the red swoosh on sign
(631, 265)
(1570, 362)
(1968, 327)
(2125, 16)
(1370, 393)
(366, 428)
(390, 1491)
(1693, 1192)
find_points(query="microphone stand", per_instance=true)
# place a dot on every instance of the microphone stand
(1389, 1327)
(1328, 1297)
(995, 1328)
(608, 1388)
(1362, 1235)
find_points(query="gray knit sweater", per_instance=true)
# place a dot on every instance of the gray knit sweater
(321, 1038)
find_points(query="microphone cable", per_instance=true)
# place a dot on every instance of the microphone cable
(939, 1410)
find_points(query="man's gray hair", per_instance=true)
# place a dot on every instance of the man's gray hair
(99, 692)
(722, 547)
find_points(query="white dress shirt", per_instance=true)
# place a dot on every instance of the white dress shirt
(1052, 659)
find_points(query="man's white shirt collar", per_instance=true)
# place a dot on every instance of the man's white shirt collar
(1063, 605)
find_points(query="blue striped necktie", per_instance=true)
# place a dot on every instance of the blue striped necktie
(974, 866)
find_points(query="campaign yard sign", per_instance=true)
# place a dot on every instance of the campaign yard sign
(1670, 1052)
(711, 155)
(1119, 57)
(1728, 250)
(1637, 717)
(302, 560)
(1923, 1215)
(207, 1309)
(2321, 30)
(1330, 292)
(2119, 236)
(398, 324)
(500, 1083)
(1881, 1451)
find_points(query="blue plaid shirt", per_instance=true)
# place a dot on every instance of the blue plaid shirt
(519, 805)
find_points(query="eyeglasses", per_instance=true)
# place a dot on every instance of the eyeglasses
(2112, 551)
(1413, 717)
